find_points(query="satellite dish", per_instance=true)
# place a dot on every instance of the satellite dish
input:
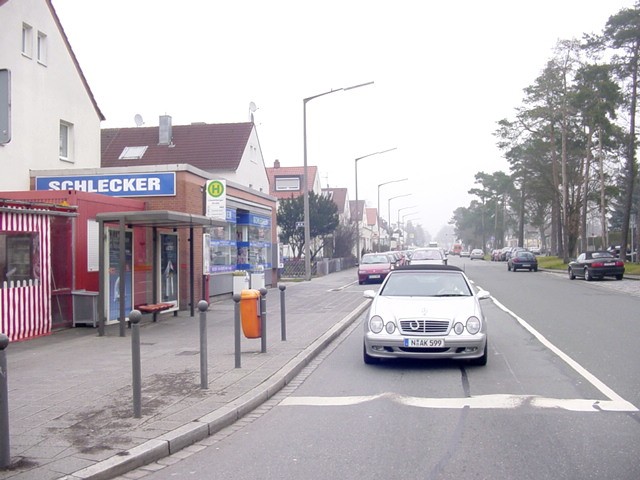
(252, 108)
(138, 120)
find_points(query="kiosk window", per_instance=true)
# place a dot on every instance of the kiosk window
(19, 258)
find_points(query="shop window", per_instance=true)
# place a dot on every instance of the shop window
(254, 245)
(19, 259)
(223, 249)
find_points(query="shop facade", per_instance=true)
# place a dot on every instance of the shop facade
(242, 239)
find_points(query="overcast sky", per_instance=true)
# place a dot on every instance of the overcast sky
(444, 74)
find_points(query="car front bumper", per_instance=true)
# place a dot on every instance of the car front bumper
(455, 347)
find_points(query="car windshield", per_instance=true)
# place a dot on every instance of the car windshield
(426, 255)
(426, 284)
(368, 259)
(601, 255)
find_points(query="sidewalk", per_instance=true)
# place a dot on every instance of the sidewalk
(71, 399)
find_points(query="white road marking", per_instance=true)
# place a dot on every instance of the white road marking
(498, 401)
(606, 391)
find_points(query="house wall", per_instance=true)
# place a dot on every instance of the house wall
(43, 94)
(251, 170)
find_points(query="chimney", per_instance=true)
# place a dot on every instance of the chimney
(165, 135)
(276, 164)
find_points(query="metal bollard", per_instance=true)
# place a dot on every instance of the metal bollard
(283, 314)
(5, 450)
(236, 326)
(204, 374)
(263, 320)
(136, 379)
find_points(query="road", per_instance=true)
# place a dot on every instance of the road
(557, 400)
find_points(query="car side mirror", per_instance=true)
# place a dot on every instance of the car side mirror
(483, 295)
(369, 293)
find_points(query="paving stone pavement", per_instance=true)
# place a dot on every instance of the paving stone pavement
(71, 412)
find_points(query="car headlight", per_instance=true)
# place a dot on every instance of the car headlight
(390, 327)
(473, 325)
(376, 324)
(458, 328)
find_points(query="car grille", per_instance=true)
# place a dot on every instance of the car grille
(421, 326)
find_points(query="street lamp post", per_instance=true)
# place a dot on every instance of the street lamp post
(380, 185)
(305, 186)
(389, 206)
(358, 211)
(401, 225)
(405, 208)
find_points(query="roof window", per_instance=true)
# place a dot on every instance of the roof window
(132, 153)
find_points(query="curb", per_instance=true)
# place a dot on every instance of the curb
(190, 433)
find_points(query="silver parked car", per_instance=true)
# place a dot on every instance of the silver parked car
(428, 256)
(476, 254)
(427, 312)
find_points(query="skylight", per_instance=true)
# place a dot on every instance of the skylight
(132, 153)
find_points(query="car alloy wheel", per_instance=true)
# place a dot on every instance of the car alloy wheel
(571, 274)
(587, 275)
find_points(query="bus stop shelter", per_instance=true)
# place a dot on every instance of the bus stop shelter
(155, 220)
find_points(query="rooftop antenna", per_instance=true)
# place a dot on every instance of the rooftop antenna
(138, 120)
(252, 108)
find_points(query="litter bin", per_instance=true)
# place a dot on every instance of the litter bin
(250, 313)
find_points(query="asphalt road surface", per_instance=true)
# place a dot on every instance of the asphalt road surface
(557, 400)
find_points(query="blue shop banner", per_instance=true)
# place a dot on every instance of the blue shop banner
(114, 185)
(254, 220)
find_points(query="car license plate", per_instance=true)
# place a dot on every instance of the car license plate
(374, 276)
(424, 342)
(609, 264)
(526, 264)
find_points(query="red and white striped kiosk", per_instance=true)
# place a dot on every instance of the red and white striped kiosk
(25, 266)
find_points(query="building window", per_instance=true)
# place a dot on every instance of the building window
(284, 184)
(66, 142)
(42, 48)
(27, 40)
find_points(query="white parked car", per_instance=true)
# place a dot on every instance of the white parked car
(476, 254)
(428, 256)
(426, 312)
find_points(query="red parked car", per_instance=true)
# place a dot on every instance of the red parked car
(374, 267)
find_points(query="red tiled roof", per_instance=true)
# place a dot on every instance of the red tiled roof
(372, 214)
(273, 172)
(205, 146)
(339, 197)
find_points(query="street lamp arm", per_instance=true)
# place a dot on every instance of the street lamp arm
(377, 153)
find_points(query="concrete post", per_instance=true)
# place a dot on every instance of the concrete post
(5, 449)
(136, 379)
(203, 306)
(283, 314)
(236, 327)
(263, 320)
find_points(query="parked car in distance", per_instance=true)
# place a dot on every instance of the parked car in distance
(476, 254)
(426, 312)
(596, 265)
(428, 256)
(522, 260)
(374, 267)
